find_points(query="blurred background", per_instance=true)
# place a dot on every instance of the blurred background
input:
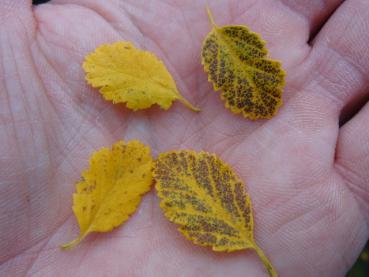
(361, 267)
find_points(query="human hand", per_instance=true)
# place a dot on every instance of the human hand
(307, 176)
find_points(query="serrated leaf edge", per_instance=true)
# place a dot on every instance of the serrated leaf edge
(215, 86)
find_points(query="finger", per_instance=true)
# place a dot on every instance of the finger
(339, 61)
(352, 156)
(315, 12)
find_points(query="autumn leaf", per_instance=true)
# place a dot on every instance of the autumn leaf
(125, 74)
(111, 188)
(207, 199)
(236, 62)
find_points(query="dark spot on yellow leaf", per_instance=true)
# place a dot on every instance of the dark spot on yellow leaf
(107, 192)
(236, 62)
(207, 199)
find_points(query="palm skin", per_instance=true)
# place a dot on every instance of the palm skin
(306, 175)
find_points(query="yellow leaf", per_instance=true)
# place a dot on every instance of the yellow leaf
(111, 188)
(125, 74)
(207, 199)
(236, 62)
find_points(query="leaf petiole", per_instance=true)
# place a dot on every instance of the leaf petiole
(268, 265)
(210, 15)
(188, 104)
(73, 243)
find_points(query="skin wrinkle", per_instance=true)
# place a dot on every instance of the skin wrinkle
(202, 130)
(200, 122)
(206, 128)
(130, 16)
(270, 132)
(336, 98)
(85, 116)
(361, 71)
(191, 72)
(132, 19)
(297, 12)
(172, 69)
(5, 86)
(332, 47)
(38, 165)
(238, 14)
(358, 190)
(10, 258)
(362, 219)
(44, 247)
(98, 14)
(73, 49)
(275, 202)
(105, 17)
(9, 106)
(178, 238)
(28, 212)
(26, 103)
(83, 257)
(310, 21)
(96, 100)
(346, 262)
(43, 83)
(117, 132)
(167, 61)
(46, 131)
(300, 215)
(35, 258)
(302, 43)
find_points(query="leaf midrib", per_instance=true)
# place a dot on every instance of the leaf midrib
(108, 192)
(138, 79)
(218, 207)
(241, 64)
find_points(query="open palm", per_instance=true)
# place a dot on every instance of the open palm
(307, 176)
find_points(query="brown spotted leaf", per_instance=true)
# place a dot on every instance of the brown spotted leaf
(207, 199)
(236, 62)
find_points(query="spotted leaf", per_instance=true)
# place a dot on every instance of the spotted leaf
(207, 199)
(236, 62)
(111, 188)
